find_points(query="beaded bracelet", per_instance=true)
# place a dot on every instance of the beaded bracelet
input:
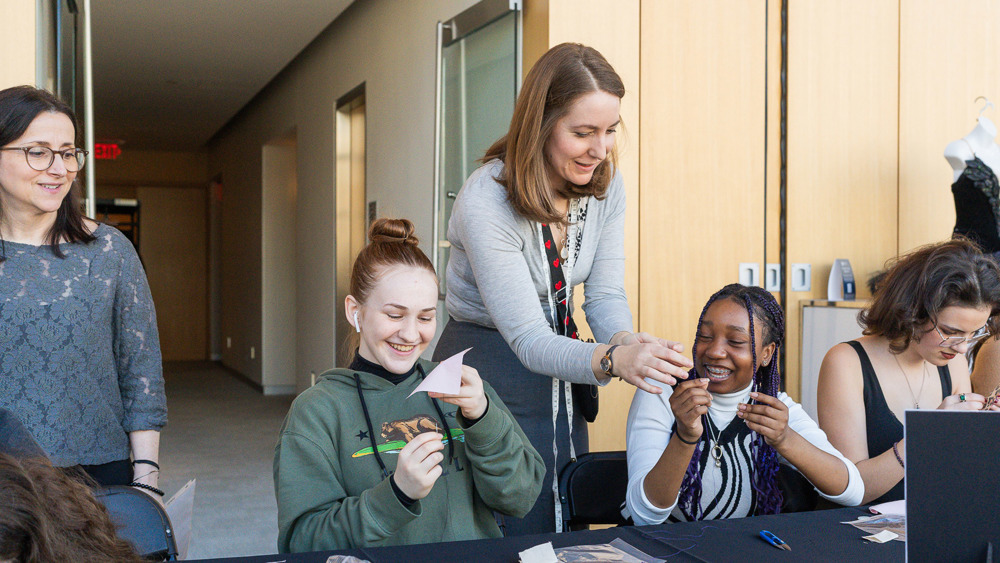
(149, 488)
(895, 450)
(681, 438)
(145, 462)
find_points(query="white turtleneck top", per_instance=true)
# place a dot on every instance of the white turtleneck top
(726, 491)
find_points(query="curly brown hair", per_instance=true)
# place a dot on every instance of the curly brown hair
(919, 284)
(49, 515)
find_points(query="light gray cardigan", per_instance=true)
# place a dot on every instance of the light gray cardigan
(497, 275)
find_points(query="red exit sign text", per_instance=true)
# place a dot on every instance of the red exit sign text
(106, 151)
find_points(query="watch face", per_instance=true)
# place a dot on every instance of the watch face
(605, 364)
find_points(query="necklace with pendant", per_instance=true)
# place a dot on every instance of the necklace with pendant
(716, 450)
(916, 402)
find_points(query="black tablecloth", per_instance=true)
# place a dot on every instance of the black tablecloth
(813, 536)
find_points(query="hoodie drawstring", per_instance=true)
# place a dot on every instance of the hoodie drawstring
(371, 431)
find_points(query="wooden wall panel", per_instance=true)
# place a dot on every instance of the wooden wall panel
(617, 38)
(17, 43)
(701, 154)
(842, 144)
(174, 242)
(949, 55)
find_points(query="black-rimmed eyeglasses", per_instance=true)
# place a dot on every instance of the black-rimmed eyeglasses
(41, 158)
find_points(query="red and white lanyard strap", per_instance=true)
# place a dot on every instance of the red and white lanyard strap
(559, 292)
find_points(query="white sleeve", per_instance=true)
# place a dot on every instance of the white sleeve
(799, 421)
(649, 428)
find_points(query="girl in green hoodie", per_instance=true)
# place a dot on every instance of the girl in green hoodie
(360, 462)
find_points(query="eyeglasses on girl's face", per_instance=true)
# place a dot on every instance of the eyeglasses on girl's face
(41, 158)
(953, 341)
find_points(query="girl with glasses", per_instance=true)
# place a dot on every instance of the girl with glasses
(932, 306)
(80, 362)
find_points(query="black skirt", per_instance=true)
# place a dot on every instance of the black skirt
(528, 395)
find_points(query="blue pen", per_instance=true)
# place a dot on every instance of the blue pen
(774, 540)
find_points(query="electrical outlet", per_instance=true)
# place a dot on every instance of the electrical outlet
(312, 378)
(229, 342)
(253, 352)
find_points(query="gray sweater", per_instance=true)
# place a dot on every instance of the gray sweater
(497, 275)
(79, 352)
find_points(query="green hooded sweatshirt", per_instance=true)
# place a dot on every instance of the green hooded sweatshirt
(330, 489)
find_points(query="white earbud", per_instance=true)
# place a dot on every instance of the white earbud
(357, 326)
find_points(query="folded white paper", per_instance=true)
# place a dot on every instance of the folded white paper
(539, 554)
(881, 537)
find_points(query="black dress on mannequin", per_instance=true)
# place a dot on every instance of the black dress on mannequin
(977, 206)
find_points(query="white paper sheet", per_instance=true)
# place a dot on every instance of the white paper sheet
(445, 378)
(180, 510)
(891, 507)
(881, 537)
(542, 553)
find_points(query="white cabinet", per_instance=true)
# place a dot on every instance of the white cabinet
(824, 324)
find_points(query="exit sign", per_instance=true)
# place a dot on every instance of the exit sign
(106, 151)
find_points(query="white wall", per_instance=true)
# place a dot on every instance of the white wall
(278, 286)
(388, 45)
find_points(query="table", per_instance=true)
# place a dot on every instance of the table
(813, 536)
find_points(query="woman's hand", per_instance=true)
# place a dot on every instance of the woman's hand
(769, 418)
(624, 338)
(963, 402)
(471, 398)
(418, 467)
(688, 402)
(659, 360)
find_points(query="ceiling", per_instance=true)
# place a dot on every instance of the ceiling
(169, 74)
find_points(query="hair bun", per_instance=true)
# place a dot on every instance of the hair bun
(392, 230)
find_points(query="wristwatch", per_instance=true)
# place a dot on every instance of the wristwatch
(607, 364)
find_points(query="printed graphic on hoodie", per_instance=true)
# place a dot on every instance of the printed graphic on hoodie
(399, 432)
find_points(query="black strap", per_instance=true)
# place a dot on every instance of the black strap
(146, 462)
(371, 430)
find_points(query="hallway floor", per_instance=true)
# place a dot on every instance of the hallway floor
(222, 433)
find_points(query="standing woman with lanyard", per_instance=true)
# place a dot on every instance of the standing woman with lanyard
(545, 213)
(80, 362)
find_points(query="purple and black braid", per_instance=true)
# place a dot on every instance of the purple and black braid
(760, 306)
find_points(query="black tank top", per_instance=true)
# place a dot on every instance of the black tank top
(883, 428)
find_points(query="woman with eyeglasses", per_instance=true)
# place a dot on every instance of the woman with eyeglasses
(932, 306)
(80, 358)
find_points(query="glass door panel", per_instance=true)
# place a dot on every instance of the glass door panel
(478, 87)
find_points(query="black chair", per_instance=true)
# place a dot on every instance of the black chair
(592, 490)
(141, 521)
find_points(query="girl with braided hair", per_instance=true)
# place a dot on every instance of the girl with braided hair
(710, 447)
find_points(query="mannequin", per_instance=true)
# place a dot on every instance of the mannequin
(975, 159)
(979, 142)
